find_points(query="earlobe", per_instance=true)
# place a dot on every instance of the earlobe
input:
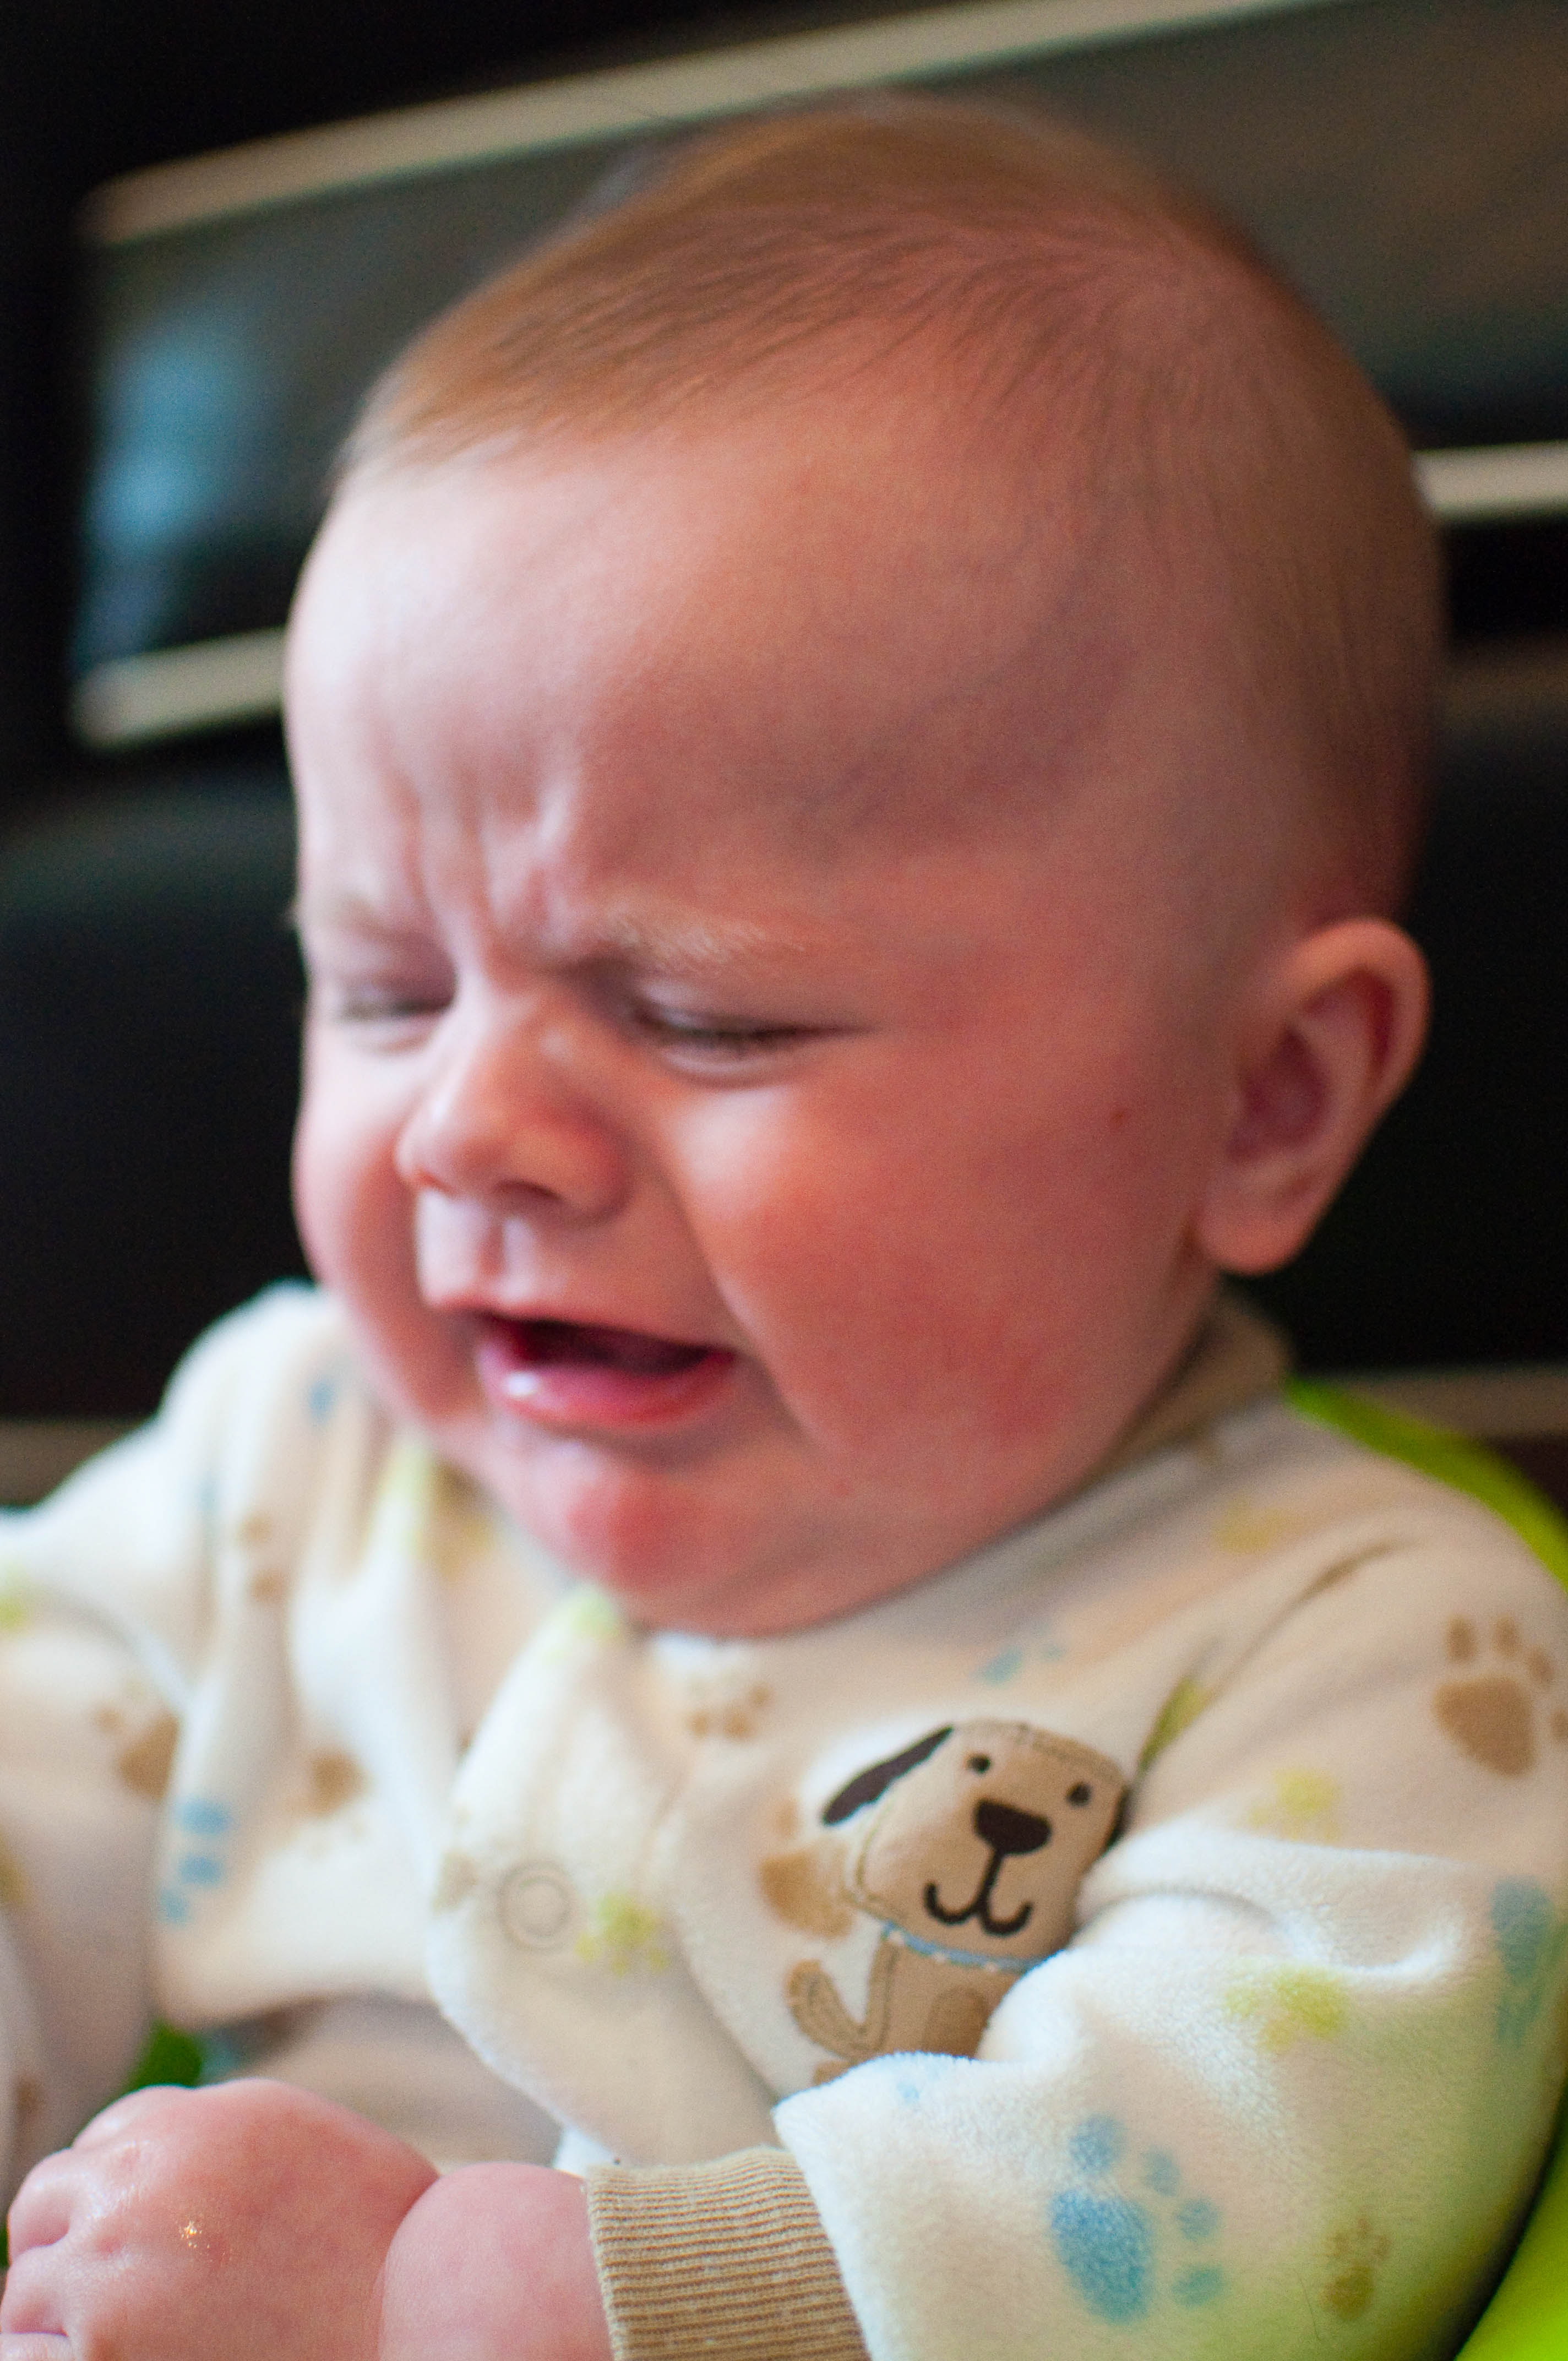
(1335, 1027)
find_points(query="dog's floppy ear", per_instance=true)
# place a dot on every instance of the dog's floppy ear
(867, 1785)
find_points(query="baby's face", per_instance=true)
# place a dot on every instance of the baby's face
(759, 1070)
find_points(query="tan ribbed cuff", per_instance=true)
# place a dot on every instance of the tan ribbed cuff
(728, 2260)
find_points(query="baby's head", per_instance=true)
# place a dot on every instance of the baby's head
(858, 720)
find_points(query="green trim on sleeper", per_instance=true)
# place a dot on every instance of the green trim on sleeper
(1454, 1459)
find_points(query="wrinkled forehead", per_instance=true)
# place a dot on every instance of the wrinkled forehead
(813, 622)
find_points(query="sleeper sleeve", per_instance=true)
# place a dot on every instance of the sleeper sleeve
(1289, 2087)
(104, 1606)
(727, 2258)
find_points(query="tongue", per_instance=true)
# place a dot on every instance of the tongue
(549, 1342)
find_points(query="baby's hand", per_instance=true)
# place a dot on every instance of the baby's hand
(253, 2219)
(248, 2220)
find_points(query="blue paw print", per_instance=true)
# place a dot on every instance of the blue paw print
(1009, 1662)
(1529, 1937)
(1112, 2246)
(202, 1863)
(915, 2075)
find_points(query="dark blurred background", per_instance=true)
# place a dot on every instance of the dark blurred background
(1410, 158)
(92, 88)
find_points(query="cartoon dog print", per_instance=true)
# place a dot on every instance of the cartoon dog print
(968, 1848)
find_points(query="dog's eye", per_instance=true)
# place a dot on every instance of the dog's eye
(1080, 1793)
(979, 1762)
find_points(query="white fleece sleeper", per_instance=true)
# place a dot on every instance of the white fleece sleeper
(1143, 1939)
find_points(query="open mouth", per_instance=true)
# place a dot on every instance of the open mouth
(573, 1373)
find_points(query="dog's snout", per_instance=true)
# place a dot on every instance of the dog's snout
(1008, 1831)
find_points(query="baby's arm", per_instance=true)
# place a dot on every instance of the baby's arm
(255, 2219)
(106, 1621)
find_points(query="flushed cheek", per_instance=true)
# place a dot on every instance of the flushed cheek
(356, 1222)
(345, 1181)
(877, 1311)
(944, 1292)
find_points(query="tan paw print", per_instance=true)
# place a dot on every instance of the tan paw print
(1356, 2255)
(724, 1707)
(1495, 1711)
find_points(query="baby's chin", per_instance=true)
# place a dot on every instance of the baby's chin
(668, 1546)
(711, 1547)
(729, 1551)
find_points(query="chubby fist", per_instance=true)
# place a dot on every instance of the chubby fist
(255, 2222)
(250, 2220)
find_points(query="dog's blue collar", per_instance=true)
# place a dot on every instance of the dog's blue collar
(954, 1956)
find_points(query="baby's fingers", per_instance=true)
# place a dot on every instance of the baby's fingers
(30, 2316)
(30, 2312)
(43, 2207)
(40, 2211)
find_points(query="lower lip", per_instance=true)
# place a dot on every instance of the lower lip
(582, 1396)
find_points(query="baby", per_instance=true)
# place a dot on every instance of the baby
(859, 721)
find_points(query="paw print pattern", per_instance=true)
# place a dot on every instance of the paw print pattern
(1039, 1646)
(1287, 2003)
(724, 1707)
(1497, 1707)
(1124, 2254)
(1302, 1807)
(13, 1885)
(1180, 1710)
(624, 1935)
(585, 1617)
(1356, 2256)
(201, 1830)
(1530, 1938)
(15, 1598)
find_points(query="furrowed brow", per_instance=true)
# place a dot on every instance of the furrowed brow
(343, 910)
(692, 945)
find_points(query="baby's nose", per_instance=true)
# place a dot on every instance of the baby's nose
(502, 1121)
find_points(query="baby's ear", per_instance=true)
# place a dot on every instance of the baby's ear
(1329, 1039)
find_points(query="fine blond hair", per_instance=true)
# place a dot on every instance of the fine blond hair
(1069, 299)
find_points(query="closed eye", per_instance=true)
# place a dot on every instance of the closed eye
(381, 1008)
(720, 1037)
(374, 985)
(377, 1006)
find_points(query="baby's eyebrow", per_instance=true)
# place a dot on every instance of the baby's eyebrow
(675, 944)
(343, 909)
(690, 944)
